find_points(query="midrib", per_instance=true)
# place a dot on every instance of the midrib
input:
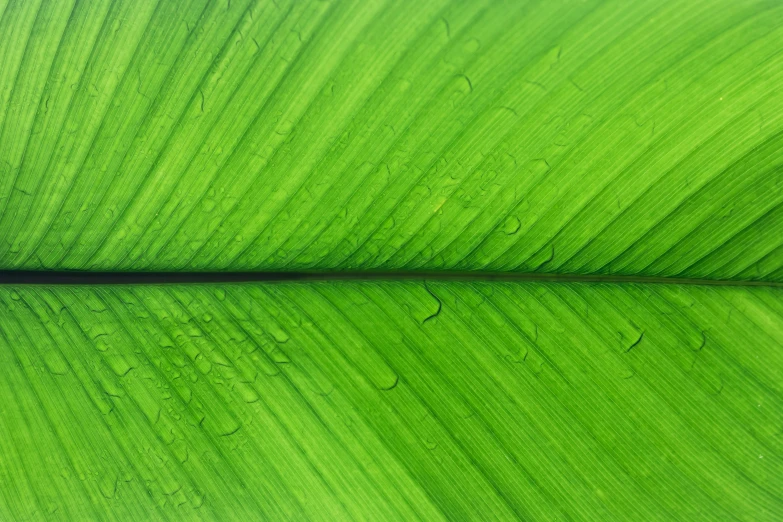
(46, 277)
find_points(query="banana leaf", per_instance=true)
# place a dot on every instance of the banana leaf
(542, 247)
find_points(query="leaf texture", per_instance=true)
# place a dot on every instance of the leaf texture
(589, 137)
(389, 400)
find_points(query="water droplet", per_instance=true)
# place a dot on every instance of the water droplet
(102, 344)
(220, 359)
(195, 417)
(511, 225)
(104, 406)
(277, 334)
(285, 127)
(223, 424)
(119, 365)
(108, 485)
(472, 45)
(387, 381)
(279, 356)
(166, 433)
(15, 295)
(203, 365)
(196, 499)
(180, 450)
(247, 392)
(110, 388)
(149, 408)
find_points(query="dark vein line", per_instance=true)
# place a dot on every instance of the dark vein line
(78, 277)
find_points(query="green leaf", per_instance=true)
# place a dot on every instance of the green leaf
(486, 139)
(392, 400)
(572, 137)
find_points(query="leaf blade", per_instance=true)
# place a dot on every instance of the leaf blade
(272, 398)
(640, 139)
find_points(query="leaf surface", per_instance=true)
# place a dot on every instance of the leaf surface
(639, 138)
(392, 400)
(413, 138)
